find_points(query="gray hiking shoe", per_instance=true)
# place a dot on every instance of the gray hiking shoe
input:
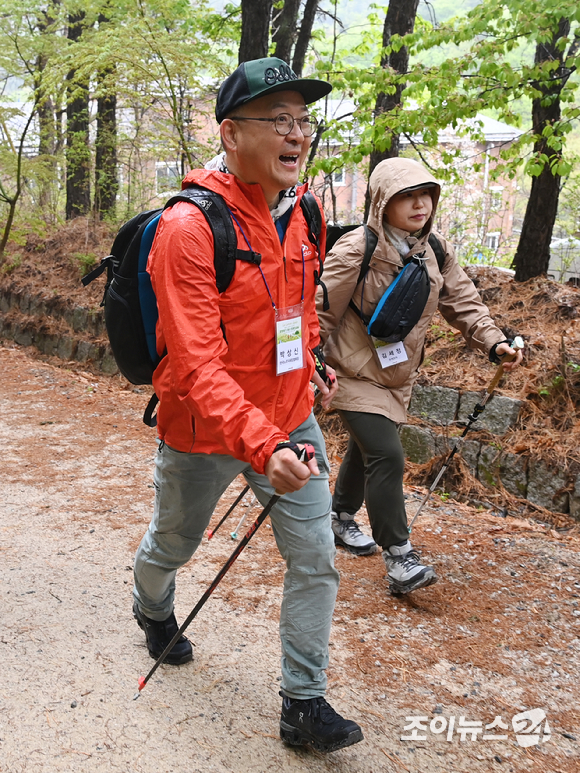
(348, 535)
(405, 571)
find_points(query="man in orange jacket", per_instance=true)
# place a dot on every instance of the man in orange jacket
(234, 388)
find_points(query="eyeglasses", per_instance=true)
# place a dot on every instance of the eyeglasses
(284, 123)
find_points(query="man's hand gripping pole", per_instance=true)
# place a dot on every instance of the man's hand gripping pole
(305, 454)
(517, 344)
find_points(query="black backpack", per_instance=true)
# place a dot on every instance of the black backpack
(129, 301)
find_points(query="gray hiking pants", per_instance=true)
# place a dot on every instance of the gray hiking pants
(187, 489)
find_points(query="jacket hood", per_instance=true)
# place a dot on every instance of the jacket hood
(393, 176)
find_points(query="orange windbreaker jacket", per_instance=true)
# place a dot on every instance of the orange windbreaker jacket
(217, 386)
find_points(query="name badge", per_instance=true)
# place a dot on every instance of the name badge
(390, 354)
(289, 339)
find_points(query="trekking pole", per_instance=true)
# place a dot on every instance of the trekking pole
(234, 534)
(306, 454)
(517, 344)
(211, 532)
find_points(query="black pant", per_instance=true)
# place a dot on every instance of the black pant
(372, 471)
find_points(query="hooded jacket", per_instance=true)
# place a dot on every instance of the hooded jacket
(217, 386)
(364, 385)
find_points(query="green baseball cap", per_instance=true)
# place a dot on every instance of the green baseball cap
(258, 77)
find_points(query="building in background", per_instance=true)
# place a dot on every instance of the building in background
(476, 211)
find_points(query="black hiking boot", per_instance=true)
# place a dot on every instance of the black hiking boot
(159, 633)
(315, 723)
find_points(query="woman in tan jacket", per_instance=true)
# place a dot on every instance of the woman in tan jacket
(376, 379)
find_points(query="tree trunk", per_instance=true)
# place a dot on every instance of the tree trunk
(256, 16)
(106, 183)
(532, 256)
(285, 33)
(400, 20)
(78, 157)
(304, 35)
(47, 127)
(12, 201)
(46, 120)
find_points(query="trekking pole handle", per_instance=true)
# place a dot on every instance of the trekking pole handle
(306, 453)
(517, 344)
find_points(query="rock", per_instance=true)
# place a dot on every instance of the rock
(436, 404)
(418, 443)
(470, 451)
(575, 500)
(544, 487)
(23, 336)
(80, 319)
(513, 471)
(83, 351)
(96, 322)
(499, 415)
(46, 343)
(95, 353)
(24, 303)
(66, 348)
(488, 465)
(108, 363)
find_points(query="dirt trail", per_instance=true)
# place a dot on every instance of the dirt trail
(498, 634)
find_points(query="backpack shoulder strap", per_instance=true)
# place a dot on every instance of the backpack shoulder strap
(437, 248)
(313, 217)
(218, 216)
(371, 240)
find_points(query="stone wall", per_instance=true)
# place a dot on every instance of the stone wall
(55, 327)
(441, 408)
(76, 333)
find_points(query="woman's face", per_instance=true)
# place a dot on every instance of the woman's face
(409, 210)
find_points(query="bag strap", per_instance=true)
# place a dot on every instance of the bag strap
(371, 240)
(437, 248)
(226, 251)
(149, 418)
(313, 217)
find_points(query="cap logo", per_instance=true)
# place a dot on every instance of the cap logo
(273, 75)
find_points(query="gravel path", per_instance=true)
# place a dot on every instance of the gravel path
(497, 635)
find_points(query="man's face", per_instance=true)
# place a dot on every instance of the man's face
(409, 210)
(256, 153)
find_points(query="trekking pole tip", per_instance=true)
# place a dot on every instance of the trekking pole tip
(234, 534)
(142, 684)
(210, 534)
